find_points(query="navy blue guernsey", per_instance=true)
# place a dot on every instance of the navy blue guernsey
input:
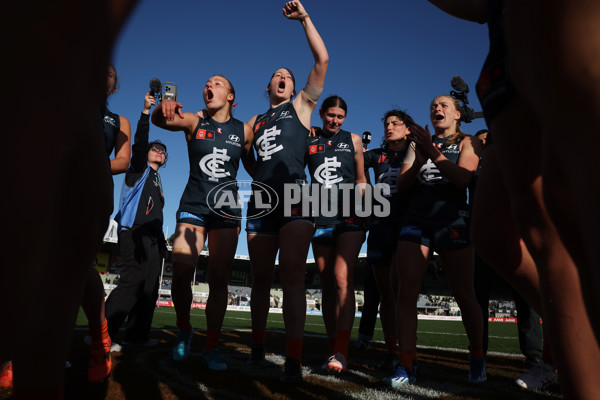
(434, 193)
(112, 126)
(387, 164)
(331, 163)
(279, 141)
(214, 153)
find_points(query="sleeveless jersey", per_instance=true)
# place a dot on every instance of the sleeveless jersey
(387, 164)
(331, 163)
(279, 141)
(112, 126)
(214, 152)
(433, 192)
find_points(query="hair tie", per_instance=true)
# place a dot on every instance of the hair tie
(233, 105)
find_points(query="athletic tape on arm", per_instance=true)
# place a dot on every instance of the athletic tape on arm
(312, 92)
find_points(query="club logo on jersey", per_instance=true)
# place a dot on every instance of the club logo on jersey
(430, 174)
(204, 134)
(326, 173)
(265, 146)
(389, 178)
(316, 149)
(211, 164)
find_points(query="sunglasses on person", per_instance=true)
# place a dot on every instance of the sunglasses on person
(158, 150)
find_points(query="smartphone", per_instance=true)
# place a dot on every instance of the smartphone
(169, 91)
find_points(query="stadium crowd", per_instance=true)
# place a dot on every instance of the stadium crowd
(526, 190)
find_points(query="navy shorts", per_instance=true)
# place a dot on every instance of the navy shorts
(327, 234)
(438, 233)
(208, 220)
(271, 223)
(382, 241)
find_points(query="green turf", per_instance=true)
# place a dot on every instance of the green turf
(445, 334)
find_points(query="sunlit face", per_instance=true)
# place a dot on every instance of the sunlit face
(333, 118)
(157, 154)
(111, 81)
(217, 93)
(281, 85)
(394, 129)
(443, 113)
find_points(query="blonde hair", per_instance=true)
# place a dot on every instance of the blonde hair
(459, 134)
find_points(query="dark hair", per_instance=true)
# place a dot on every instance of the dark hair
(152, 143)
(481, 132)
(403, 116)
(291, 74)
(334, 101)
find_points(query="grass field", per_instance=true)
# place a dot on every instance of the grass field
(151, 373)
(445, 334)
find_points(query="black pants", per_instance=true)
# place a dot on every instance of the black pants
(528, 321)
(370, 305)
(135, 296)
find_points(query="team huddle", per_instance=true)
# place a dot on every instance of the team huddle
(422, 201)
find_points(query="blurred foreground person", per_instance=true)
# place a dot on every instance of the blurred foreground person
(535, 197)
(60, 177)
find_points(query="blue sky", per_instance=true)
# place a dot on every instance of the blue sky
(384, 54)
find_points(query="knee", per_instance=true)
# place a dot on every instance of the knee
(342, 283)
